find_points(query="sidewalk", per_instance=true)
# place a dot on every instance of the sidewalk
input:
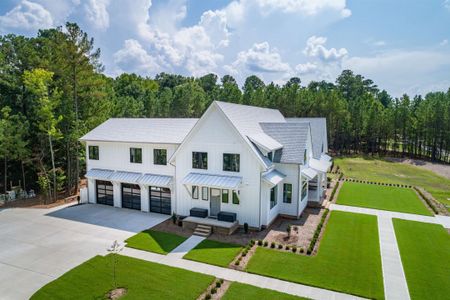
(239, 276)
(186, 246)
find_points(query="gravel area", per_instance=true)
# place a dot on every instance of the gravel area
(440, 169)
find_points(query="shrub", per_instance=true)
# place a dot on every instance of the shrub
(246, 228)
(218, 284)
(208, 296)
(317, 232)
(213, 291)
(260, 243)
(252, 242)
(244, 253)
(334, 191)
(236, 263)
(221, 280)
(174, 218)
(288, 229)
(287, 248)
(294, 249)
(280, 246)
(272, 245)
(266, 243)
(302, 250)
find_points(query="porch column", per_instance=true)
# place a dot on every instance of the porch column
(92, 197)
(117, 189)
(144, 198)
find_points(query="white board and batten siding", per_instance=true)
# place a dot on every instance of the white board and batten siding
(214, 135)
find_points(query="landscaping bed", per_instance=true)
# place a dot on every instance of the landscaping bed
(348, 259)
(248, 292)
(141, 279)
(214, 253)
(389, 198)
(155, 241)
(425, 254)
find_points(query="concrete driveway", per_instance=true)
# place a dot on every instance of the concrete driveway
(39, 245)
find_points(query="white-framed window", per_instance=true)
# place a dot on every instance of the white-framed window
(205, 192)
(194, 192)
(287, 193)
(273, 196)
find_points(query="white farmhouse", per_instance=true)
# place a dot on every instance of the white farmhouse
(238, 161)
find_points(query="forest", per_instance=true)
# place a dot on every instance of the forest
(53, 90)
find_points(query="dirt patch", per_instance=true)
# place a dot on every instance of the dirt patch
(37, 202)
(116, 293)
(439, 169)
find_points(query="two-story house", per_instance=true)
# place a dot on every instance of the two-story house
(240, 159)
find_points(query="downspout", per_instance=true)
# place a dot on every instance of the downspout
(260, 178)
(299, 186)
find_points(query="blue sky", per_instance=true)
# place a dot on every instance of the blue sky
(404, 46)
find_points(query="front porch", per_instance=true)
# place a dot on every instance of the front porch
(220, 227)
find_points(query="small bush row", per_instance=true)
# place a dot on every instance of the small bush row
(274, 245)
(334, 191)
(214, 289)
(340, 176)
(427, 200)
(317, 232)
(378, 183)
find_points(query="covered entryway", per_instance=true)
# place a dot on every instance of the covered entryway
(131, 196)
(160, 201)
(105, 194)
(214, 205)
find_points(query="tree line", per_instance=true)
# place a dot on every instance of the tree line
(53, 90)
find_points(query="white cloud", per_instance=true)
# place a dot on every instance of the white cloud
(97, 13)
(26, 16)
(446, 4)
(315, 48)
(134, 58)
(260, 58)
(443, 42)
(306, 68)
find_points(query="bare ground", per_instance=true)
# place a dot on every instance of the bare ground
(438, 168)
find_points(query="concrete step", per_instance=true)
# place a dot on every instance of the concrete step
(204, 234)
(204, 226)
(203, 230)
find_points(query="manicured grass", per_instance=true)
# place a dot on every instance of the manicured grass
(382, 197)
(214, 253)
(248, 292)
(425, 253)
(155, 241)
(348, 259)
(384, 171)
(142, 279)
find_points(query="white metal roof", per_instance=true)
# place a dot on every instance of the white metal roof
(325, 157)
(265, 142)
(217, 181)
(129, 177)
(138, 130)
(101, 174)
(155, 180)
(310, 173)
(319, 165)
(273, 177)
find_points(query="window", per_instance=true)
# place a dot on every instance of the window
(205, 193)
(136, 155)
(93, 152)
(287, 193)
(160, 157)
(304, 157)
(224, 196)
(269, 156)
(200, 160)
(231, 162)
(235, 197)
(194, 192)
(273, 196)
(304, 189)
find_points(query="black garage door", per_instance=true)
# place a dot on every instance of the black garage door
(160, 200)
(131, 196)
(105, 194)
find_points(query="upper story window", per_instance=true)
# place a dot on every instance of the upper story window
(136, 155)
(231, 162)
(287, 193)
(270, 156)
(93, 152)
(160, 157)
(273, 196)
(200, 160)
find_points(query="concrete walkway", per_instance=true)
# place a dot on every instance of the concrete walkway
(239, 276)
(186, 246)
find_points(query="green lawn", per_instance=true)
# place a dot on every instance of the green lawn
(382, 197)
(155, 241)
(348, 259)
(248, 292)
(425, 252)
(390, 172)
(142, 279)
(214, 253)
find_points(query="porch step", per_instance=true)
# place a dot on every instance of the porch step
(203, 230)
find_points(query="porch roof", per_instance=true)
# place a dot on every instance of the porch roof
(102, 174)
(273, 177)
(309, 173)
(128, 177)
(319, 165)
(213, 180)
(156, 180)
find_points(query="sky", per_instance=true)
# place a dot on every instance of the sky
(402, 45)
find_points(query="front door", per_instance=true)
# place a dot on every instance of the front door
(214, 199)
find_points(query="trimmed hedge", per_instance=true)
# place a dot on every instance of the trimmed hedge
(317, 232)
(334, 191)
(427, 200)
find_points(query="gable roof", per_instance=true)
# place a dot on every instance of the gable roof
(139, 130)
(293, 137)
(318, 133)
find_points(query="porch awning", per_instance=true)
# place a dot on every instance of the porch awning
(325, 157)
(156, 180)
(309, 173)
(265, 142)
(273, 177)
(216, 181)
(128, 177)
(319, 165)
(101, 174)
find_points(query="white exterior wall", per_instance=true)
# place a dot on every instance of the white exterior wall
(291, 171)
(214, 135)
(116, 156)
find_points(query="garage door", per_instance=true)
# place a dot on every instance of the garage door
(160, 200)
(131, 196)
(105, 194)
